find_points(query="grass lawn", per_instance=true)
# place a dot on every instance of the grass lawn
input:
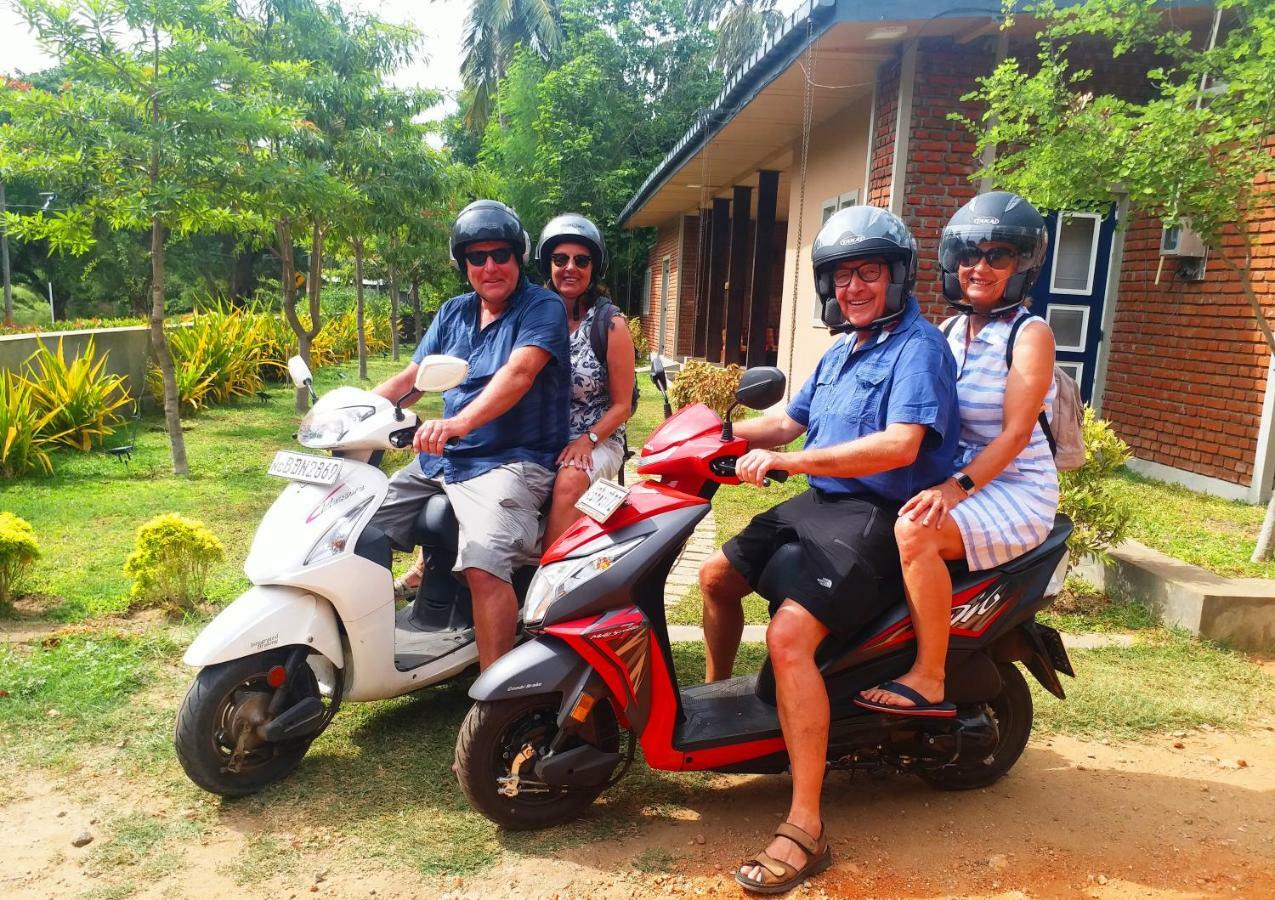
(87, 514)
(1206, 531)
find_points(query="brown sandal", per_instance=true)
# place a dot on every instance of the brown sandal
(404, 588)
(779, 877)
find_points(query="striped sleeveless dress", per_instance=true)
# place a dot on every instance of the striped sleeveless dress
(1015, 512)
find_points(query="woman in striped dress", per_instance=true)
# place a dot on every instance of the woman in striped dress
(1002, 499)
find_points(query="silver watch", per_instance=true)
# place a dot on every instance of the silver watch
(593, 438)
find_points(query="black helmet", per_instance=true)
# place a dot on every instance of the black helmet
(487, 220)
(995, 216)
(577, 229)
(855, 233)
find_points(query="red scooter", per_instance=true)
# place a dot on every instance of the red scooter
(543, 738)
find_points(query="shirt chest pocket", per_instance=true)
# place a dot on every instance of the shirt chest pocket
(489, 353)
(857, 395)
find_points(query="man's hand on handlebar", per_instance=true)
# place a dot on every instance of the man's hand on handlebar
(754, 465)
(434, 434)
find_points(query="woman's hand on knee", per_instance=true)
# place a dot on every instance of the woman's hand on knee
(929, 508)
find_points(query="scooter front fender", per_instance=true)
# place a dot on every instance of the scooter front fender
(545, 665)
(268, 616)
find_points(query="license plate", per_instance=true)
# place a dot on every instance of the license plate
(303, 467)
(602, 499)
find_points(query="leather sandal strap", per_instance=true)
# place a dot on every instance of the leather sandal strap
(800, 837)
(781, 870)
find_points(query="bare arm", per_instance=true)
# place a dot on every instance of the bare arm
(620, 378)
(399, 384)
(769, 431)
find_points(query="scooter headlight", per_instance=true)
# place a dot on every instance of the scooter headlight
(556, 579)
(322, 429)
(335, 539)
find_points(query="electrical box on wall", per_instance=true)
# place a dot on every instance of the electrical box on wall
(1179, 240)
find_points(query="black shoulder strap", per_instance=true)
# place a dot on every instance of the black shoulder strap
(950, 324)
(603, 312)
(1009, 361)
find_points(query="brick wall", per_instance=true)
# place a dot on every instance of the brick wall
(665, 245)
(884, 117)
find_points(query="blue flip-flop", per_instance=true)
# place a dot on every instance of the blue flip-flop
(921, 707)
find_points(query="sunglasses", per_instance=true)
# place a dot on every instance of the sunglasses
(478, 258)
(582, 260)
(868, 273)
(997, 257)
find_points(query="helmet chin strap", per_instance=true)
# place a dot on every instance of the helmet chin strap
(1010, 300)
(838, 324)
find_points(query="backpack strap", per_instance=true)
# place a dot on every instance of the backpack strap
(950, 324)
(603, 312)
(1009, 361)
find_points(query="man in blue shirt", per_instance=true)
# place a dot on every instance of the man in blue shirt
(881, 422)
(507, 421)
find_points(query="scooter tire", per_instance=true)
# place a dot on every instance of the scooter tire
(481, 750)
(200, 737)
(1012, 708)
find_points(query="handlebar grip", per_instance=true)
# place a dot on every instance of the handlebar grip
(402, 437)
(777, 475)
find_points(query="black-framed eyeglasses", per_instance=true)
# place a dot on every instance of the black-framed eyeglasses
(478, 258)
(582, 260)
(868, 272)
(997, 257)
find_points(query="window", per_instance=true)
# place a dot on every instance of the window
(1075, 254)
(1070, 325)
(646, 292)
(1074, 369)
(826, 209)
(664, 279)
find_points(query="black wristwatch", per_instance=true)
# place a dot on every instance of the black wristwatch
(964, 482)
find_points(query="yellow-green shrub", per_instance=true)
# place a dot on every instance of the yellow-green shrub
(224, 353)
(18, 553)
(170, 563)
(702, 382)
(1100, 516)
(23, 437)
(82, 398)
(640, 345)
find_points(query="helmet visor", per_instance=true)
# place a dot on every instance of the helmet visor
(965, 245)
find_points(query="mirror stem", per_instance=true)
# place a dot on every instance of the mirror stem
(728, 426)
(309, 386)
(398, 405)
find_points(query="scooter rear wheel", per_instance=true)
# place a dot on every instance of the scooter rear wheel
(226, 699)
(1012, 709)
(493, 737)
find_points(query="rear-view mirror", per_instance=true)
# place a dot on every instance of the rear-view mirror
(761, 388)
(437, 373)
(657, 372)
(299, 372)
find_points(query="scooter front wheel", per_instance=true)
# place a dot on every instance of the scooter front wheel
(496, 752)
(217, 735)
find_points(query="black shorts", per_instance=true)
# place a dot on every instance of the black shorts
(843, 565)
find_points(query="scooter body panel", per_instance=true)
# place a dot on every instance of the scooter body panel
(264, 617)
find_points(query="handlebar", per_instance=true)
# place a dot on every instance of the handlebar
(404, 436)
(724, 466)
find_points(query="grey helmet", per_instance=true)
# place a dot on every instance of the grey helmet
(995, 216)
(575, 228)
(487, 220)
(855, 233)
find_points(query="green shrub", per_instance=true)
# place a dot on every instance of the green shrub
(23, 436)
(702, 382)
(170, 563)
(225, 353)
(640, 345)
(18, 552)
(82, 398)
(1099, 514)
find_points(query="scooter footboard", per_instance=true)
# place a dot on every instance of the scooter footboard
(268, 616)
(545, 665)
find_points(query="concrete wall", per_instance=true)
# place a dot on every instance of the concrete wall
(837, 165)
(127, 350)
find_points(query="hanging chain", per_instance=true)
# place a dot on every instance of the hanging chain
(807, 115)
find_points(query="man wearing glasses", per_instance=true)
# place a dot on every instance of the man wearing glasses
(493, 451)
(881, 422)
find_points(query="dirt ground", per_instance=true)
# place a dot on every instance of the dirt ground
(1190, 814)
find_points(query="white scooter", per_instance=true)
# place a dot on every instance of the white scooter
(319, 624)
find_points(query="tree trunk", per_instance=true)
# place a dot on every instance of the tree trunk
(1262, 551)
(288, 280)
(393, 312)
(159, 344)
(358, 306)
(416, 309)
(4, 262)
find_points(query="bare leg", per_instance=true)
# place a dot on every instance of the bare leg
(495, 615)
(922, 550)
(792, 638)
(568, 487)
(723, 590)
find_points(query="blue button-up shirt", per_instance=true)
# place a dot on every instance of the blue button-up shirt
(904, 375)
(535, 428)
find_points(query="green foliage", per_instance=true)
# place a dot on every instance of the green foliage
(224, 353)
(171, 560)
(1100, 515)
(640, 345)
(703, 382)
(23, 440)
(18, 553)
(81, 397)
